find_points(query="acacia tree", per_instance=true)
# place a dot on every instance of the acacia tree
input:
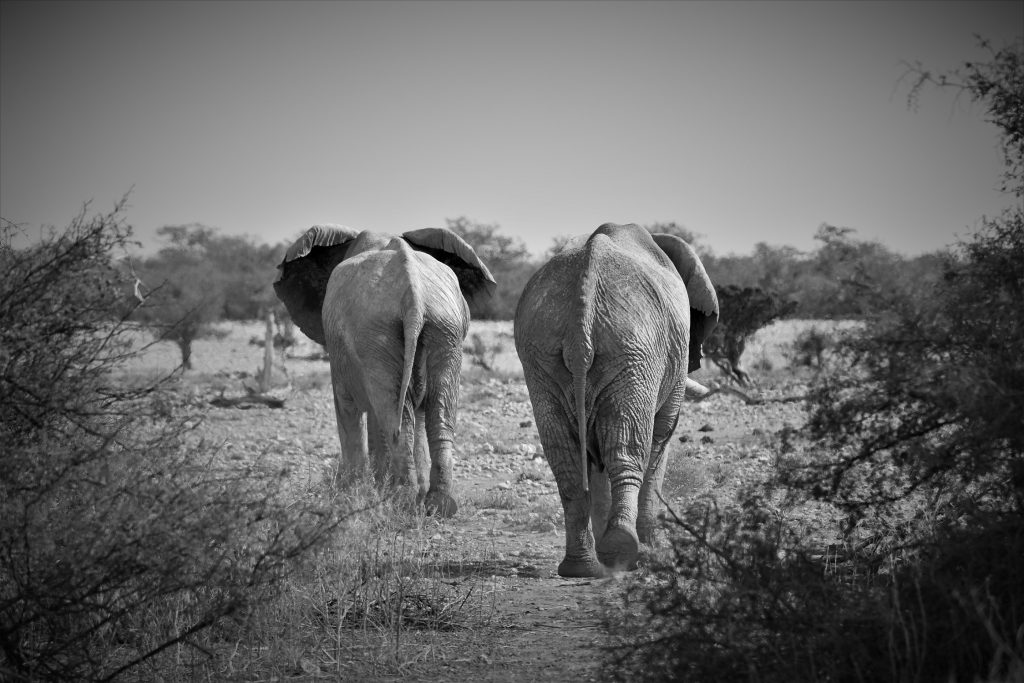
(744, 311)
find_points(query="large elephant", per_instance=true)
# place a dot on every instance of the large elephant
(391, 312)
(607, 331)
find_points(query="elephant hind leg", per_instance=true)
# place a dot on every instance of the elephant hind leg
(600, 500)
(650, 503)
(560, 440)
(441, 360)
(439, 500)
(624, 442)
(421, 454)
(617, 545)
(352, 431)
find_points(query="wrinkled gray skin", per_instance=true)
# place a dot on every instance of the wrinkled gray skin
(392, 315)
(607, 331)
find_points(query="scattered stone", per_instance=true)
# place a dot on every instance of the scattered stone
(706, 428)
(706, 439)
(526, 423)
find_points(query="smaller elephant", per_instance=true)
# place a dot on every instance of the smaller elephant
(607, 331)
(392, 313)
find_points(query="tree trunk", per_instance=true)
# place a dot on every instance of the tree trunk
(186, 353)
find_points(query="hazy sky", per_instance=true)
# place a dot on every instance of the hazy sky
(745, 122)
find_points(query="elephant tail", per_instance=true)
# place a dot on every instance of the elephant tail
(579, 356)
(579, 387)
(412, 325)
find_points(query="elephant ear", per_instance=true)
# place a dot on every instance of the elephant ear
(304, 272)
(475, 280)
(703, 300)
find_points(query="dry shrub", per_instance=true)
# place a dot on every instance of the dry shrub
(121, 545)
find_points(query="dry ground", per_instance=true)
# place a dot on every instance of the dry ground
(523, 622)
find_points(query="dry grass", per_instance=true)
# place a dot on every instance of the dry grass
(390, 597)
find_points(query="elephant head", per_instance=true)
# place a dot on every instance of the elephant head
(607, 331)
(392, 313)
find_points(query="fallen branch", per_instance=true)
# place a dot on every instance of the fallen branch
(747, 398)
(248, 401)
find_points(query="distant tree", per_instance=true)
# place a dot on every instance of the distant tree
(559, 243)
(248, 271)
(744, 311)
(847, 277)
(843, 278)
(184, 289)
(489, 243)
(508, 260)
(200, 277)
(774, 269)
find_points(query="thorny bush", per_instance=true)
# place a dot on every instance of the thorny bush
(119, 542)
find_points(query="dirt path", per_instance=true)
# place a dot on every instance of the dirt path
(538, 626)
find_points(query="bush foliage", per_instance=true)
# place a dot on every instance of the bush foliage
(122, 538)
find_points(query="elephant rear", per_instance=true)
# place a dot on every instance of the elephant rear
(392, 313)
(385, 302)
(604, 334)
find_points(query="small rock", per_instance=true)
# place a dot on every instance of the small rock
(526, 423)
(706, 428)
(706, 439)
(505, 485)
(684, 438)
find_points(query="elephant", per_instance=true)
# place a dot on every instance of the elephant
(391, 312)
(607, 331)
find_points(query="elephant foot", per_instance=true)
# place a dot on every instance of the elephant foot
(440, 504)
(578, 569)
(618, 549)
